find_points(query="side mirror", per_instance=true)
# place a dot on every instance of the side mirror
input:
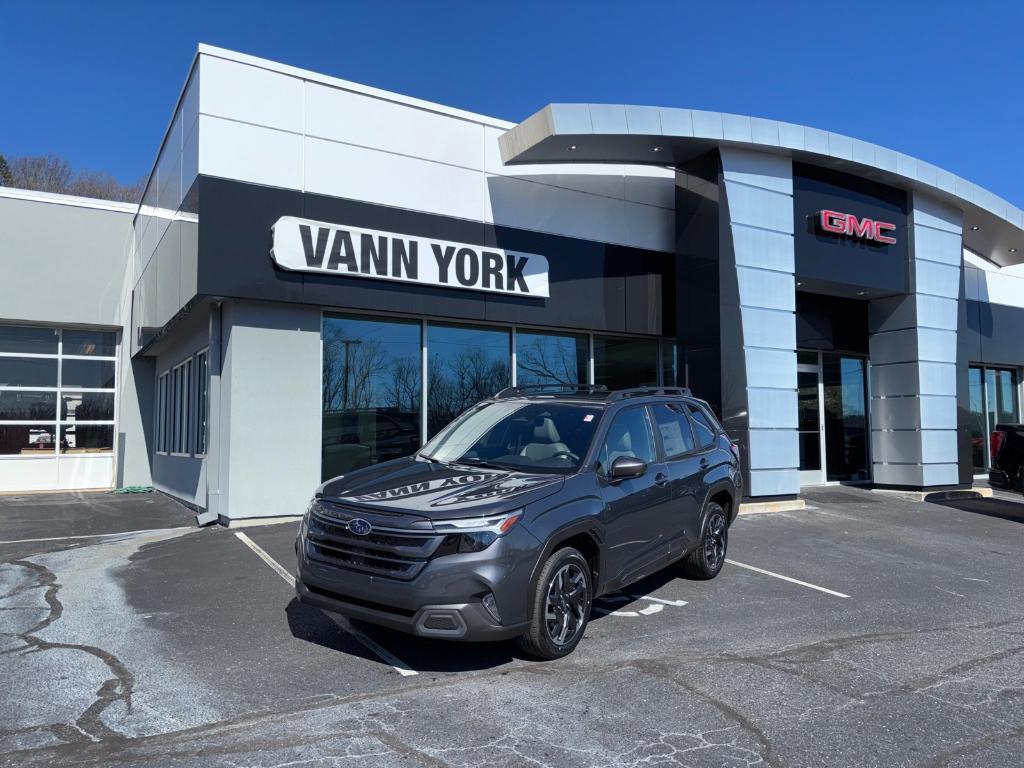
(626, 467)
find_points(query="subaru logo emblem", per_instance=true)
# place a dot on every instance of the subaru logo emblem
(359, 526)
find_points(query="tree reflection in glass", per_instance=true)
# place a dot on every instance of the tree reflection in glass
(371, 392)
(465, 365)
(548, 358)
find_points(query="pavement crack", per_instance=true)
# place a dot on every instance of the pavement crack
(116, 688)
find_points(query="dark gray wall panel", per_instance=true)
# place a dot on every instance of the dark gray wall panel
(995, 333)
(594, 286)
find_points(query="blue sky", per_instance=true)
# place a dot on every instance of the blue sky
(943, 81)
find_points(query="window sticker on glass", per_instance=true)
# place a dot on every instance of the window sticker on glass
(588, 417)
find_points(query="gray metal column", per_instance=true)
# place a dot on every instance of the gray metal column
(914, 357)
(758, 321)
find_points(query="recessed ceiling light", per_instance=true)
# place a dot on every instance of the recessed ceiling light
(975, 228)
(655, 149)
(572, 147)
(862, 293)
(1013, 250)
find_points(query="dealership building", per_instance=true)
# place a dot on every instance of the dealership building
(320, 275)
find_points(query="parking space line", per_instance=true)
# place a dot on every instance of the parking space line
(343, 624)
(281, 570)
(787, 578)
(100, 535)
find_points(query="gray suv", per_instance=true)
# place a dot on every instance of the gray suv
(514, 517)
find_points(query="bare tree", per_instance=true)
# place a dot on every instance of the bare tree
(548, 361)
(46, 173)
(50, 173)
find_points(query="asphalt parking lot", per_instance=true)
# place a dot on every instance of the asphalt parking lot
(864, 631)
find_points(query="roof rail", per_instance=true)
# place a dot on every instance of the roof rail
(622, 394)
(528, 389)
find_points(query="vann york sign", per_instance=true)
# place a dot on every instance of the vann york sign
(330, 249)
(848, 225)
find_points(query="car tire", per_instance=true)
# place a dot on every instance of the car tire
(560, 603)
(707, 559)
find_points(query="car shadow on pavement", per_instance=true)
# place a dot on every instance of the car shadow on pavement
(422, 654)
(991, 507)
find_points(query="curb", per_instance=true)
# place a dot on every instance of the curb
(978, 492)
(762, 507)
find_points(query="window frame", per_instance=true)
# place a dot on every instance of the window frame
(200, 440)
(56, 424)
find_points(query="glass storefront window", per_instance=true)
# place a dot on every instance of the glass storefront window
(88, 374)
(548, 358)
(371, 392)
(92, 343)
(21, 339)
(993, 400)
(464, 365)
(26, 405)
(1001, 393)
(86, 438)
(87, 406)
(979, 429)
(621, 362)
(672, 371)
(27, 439)
(28, 372)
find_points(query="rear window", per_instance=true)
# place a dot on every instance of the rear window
(704, 428)
(674, 428)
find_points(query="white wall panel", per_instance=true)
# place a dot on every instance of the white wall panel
(29, 474)
(516, 203)
(250, 94)
(85, 471)
(249, 153)
(343, 170)
(354, 118)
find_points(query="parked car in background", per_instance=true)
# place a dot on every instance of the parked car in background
(515, 516)
(1007, 449)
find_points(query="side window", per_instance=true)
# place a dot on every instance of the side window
(702, 429)
(629, 435)
(674, 428)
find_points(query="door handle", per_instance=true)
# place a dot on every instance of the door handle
(704, 463)
(660, 479)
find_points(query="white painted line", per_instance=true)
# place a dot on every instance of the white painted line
(371, 645)
(786, 578)
(396, 663)
(676, 603)
(99, 535)
(281, 570)
(653, 608)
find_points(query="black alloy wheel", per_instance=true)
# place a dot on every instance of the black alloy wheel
(707, 559)
(561, 604)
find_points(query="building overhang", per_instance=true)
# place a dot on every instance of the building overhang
(669, 137)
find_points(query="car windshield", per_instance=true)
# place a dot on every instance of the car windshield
(532, 437)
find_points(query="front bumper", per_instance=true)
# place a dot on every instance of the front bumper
(442, 601)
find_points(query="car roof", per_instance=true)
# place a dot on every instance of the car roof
(597, 395)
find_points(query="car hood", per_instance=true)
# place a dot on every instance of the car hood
(438, 491)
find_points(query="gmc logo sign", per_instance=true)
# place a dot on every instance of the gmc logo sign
(837, 223)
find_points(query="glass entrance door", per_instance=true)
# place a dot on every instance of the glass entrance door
(832, 418)
(810, 422)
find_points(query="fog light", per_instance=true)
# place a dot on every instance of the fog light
(492, 606)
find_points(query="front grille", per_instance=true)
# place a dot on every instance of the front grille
(394, 553)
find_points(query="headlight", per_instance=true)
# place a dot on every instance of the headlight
(474, 534)
(499, 525)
